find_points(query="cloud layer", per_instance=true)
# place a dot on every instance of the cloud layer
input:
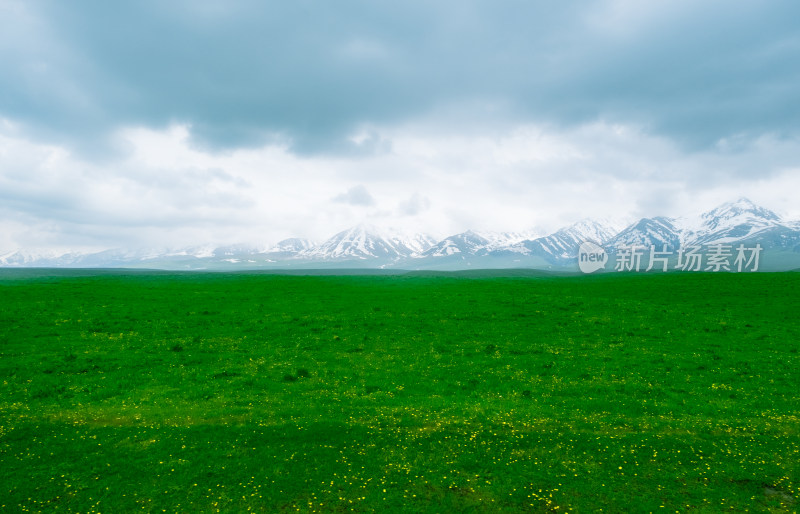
(241, 73)
(140, 122)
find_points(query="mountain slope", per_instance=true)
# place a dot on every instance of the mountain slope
(563, 245)
(741, 221)
(732, 223)
(462, 245)
(659, 232)
(293, 245)
(367, 242)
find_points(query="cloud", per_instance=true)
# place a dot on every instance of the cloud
(356, 195)
(243, 74)
(416, 204)
(178, 122)
(168, 192)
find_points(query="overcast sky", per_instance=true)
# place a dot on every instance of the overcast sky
(147, 123)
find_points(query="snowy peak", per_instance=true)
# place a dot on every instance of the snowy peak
(465, 243)
(500, 240)
(732, 221)
(368, 242)
(659, 232)
(32, 258)
(564, 243)
(368, 246)
(234, 250)
(588, 230)
(742, 210)
(291, 245)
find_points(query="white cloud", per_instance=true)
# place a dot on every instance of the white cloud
(356, 195)
(427, 116)
(163, 191)
(415, 205)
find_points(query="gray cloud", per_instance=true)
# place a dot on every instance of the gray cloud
(414, 205)
(310, 73)
(183, 121)
(356, 195)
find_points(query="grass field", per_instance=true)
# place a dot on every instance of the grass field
(237, 392)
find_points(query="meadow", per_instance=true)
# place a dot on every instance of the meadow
(203, 392)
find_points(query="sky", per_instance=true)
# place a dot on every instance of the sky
(146, 123)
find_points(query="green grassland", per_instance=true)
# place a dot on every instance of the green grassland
(415, 393)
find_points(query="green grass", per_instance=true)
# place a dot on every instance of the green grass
(236, 392)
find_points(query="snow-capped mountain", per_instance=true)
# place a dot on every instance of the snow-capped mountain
(502, 240)
(21, 258)
(463, 244)
(368, 242)
(659, 232)
(564, 243)
(738, 222)
(592, 230)
(293, 245)
(732, 221)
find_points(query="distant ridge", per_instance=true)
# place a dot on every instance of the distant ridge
(368, 247)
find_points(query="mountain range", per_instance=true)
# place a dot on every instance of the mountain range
(366, 246)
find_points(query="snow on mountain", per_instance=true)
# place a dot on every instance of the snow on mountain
(291, 245)
(368, 242)
(140, 254)
(118, 257)
(659, 232)
(742, 210)
(591, 230)
(736, 222)
(418, 243)
(466, 244)
(564, 243)
(508, 241)
(235, 250)
(18, 258)
(203, 251)
(499, 239)
(729, 222)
